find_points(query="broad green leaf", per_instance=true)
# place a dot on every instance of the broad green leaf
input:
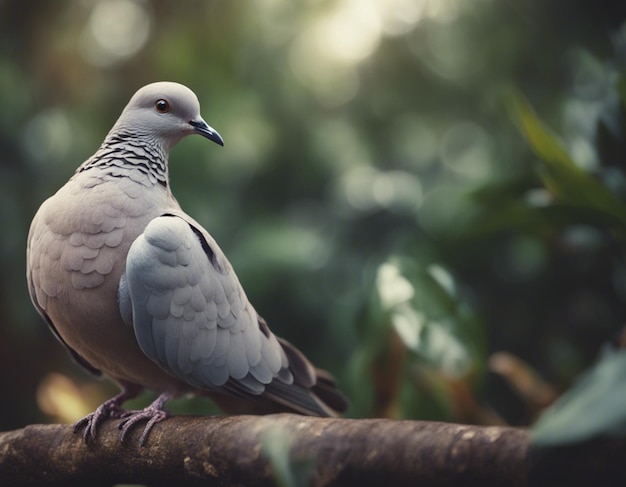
(594, 406)
(561, 176)
(422, 307)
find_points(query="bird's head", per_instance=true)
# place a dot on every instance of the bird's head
(165, 112)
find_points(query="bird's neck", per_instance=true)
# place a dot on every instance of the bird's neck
(124, 154)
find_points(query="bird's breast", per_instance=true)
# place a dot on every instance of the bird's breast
(84, 231)
(78, 245)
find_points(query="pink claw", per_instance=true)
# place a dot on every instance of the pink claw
(154, 413)
(111, 408)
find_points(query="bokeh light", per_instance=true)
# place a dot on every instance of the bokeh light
(116, 31)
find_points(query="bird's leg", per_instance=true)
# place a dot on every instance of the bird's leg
(108, 409)
(153, 414)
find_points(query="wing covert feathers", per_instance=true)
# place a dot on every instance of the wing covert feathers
(192, 317)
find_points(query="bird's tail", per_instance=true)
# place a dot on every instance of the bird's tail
(312, 392)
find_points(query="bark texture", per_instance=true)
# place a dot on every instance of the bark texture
(237, 451)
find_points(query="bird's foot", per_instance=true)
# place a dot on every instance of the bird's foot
(108, 409)
(153, 414)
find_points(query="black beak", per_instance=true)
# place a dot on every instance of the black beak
(202, 128)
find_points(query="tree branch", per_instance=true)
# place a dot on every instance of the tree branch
(237, 450)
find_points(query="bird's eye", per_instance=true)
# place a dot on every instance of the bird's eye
(162, 106)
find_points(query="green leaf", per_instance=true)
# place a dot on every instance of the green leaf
(558, 172)
(287, 471)
(594, 406)
(422, 307)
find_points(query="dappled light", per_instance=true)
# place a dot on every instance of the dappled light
(344, 33)
(59, 397)
(116, 30)
(365, 189)
(48, 137)
(466, 150)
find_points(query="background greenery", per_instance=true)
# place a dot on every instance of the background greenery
(390, 201)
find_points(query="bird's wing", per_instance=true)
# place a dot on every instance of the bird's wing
(192, 317)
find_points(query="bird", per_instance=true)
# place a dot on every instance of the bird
(138, 291)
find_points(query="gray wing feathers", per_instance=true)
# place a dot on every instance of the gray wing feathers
(192, 317)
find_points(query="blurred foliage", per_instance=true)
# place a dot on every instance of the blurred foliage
(593, 407)
(391, 203)
(564, 180)
(286, 470)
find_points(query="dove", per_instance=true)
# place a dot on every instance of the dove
(137, 290)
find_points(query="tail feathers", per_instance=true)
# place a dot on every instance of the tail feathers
(326, 391)
(303, 390)
(298, 399)
(302, 370)
(323, 399)
(314, 391)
